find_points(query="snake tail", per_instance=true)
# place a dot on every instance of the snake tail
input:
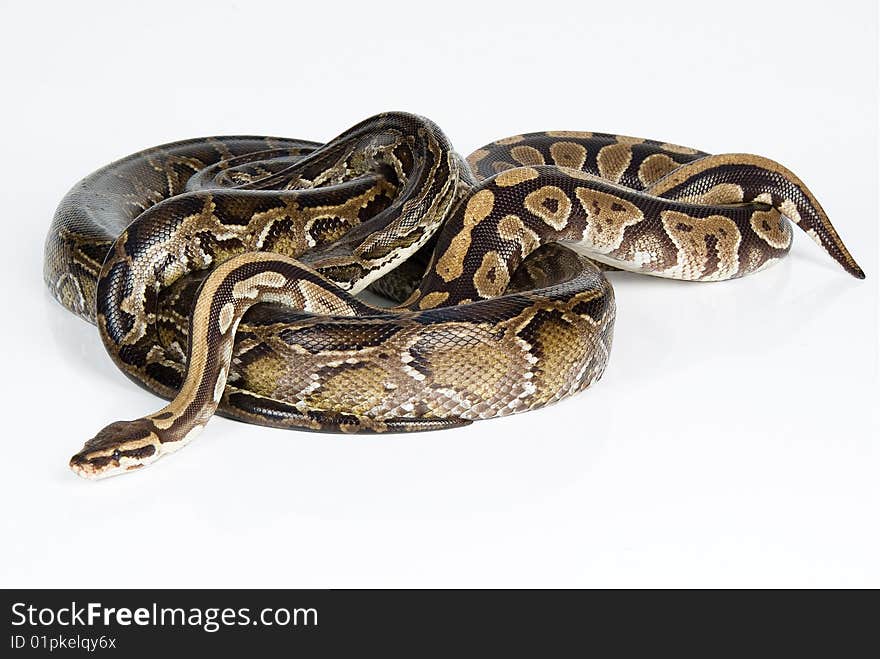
(743, 178)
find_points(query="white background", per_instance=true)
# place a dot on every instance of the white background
(732, 441)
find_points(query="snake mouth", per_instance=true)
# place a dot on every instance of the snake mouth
(98, 460)
(82, 466)
(93, 467)
(98, 467)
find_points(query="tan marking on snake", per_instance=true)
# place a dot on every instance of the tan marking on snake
(770, 226)
(515, 176)
(432, 300)
(568, 154)
(527, 155)
(613, 160)
(789, 209)
(551, 204)
(451, 264)
(501, 353)
(608, 217)
(655, 167)
(690, 233)
(492, 277)
(220, 385)
(511, 227)
(723, 193)
(224, 320)
(316, 300)
(249, 288)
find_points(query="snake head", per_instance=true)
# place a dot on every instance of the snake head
(118, 448)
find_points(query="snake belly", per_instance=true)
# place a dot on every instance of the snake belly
(222, 273)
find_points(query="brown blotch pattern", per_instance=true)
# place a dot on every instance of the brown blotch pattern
(626, 139)
(648, 250)
(772, 228)
(451, 264)
(511, 227)
(693, 237)
(789, 209)
(613, 160)
(527, 155)
(432, 300)
(470, 387)
(568, 154)
(655, 167)
(723, 193)
(551, 204)
(515, 176)
(608, 216)
(550, 329)
(492, 277)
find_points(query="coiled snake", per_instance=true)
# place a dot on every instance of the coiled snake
(222, 272)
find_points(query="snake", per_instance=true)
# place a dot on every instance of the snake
(225, 274)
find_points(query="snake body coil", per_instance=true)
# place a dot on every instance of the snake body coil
(222, 272)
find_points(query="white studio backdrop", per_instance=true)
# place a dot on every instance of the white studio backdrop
(733, 439)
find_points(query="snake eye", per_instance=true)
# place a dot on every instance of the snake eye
(116, 455)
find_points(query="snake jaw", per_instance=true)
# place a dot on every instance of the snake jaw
(94, 467)
(118, 448)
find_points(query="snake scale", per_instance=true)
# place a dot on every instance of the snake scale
(223, 273)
